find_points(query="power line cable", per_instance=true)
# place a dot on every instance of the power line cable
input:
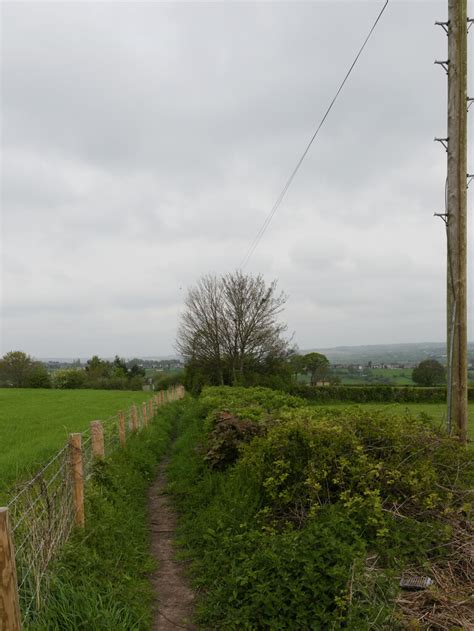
(275, 207)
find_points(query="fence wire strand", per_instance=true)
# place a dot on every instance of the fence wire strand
(42, 510)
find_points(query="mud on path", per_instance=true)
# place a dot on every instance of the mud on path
(174, 599)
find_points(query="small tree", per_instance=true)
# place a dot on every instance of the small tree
(19, 370)
(297, 365)
(317, 365)
(38, 376)
(429, 373)
(230, 330)
(69, 378)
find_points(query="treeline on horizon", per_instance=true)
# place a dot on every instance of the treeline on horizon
(20, 370)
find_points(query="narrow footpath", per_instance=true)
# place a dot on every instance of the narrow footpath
(174, 601)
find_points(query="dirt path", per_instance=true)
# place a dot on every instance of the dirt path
(174, 598)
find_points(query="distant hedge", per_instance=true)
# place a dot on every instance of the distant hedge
(376, 393)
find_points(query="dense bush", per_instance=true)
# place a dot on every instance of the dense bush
(376, 394)
(164, 380)
(69, 378)
(280, 539)
(429, 373)
(252, 403)
(228, 437)
(19, 370)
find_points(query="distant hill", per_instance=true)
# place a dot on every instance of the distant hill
(388, 353)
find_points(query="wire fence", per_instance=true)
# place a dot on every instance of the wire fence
(43, 511)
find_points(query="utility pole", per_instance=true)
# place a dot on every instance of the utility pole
(455, 215)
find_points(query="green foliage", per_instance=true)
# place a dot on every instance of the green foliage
(429, 373)
(105, 375)
(366, 461)
(252, 403)
(280, 539)
(101, 579)
(19, 370)
(38, 376)
(317, 365)
(69, 378)
(163, 380)
(270, 372)
(296, 363)
(376, 393)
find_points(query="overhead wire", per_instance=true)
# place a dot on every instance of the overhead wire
(266, 223)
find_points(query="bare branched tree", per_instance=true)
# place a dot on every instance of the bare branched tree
(231, 324)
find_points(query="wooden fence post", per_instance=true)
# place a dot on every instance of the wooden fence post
(121, 428)
(133, 411)
(77, 473)
(144, 413)
(151, 408)
(9, 605)
(97, 435)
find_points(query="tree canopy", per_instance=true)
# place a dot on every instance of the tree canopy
(230, 330)
(317, 366)
(19, 370)
(429, 373)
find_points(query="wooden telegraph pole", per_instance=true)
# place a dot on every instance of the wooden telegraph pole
(456, 214)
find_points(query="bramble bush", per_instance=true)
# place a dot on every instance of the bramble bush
(252, 403)
(280, 533)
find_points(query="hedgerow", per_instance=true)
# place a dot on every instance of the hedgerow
(375, 393)
(284, 534)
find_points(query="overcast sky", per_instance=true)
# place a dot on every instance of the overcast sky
(143, 145)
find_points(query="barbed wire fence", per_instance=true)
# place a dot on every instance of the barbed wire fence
(43, 511)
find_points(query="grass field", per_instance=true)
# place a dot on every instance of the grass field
(390, 376)
(437, 411)
(35, 423)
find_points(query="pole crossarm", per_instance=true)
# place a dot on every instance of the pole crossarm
(444, 26)
(443, 64)
(443, 216)
(443, 141)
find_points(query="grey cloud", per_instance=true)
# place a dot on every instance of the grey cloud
(145, 143)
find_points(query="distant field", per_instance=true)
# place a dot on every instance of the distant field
(391, 376)
(437, 411)
(35, 423)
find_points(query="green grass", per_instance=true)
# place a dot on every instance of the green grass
(101, 580)
(35, 423)
(392, 376)
(436, 411)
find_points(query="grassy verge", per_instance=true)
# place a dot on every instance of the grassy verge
(435, 411)
(101, 582)
(299, 517)
(35, 423)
